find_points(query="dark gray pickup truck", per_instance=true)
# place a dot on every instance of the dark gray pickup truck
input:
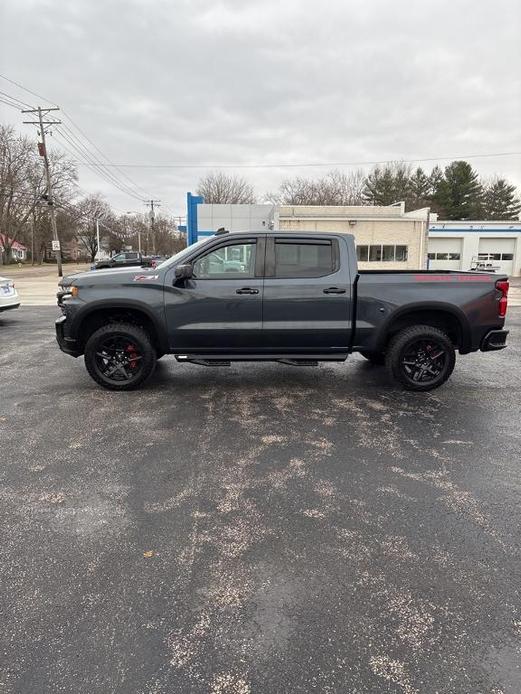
(296, 298)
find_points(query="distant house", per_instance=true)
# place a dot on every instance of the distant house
(18, 252)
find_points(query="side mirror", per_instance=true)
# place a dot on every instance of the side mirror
(184, 272)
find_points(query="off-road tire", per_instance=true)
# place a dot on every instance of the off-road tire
(376, 358)
(403, 341)
(136, 335)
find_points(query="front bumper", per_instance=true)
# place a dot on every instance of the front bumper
(493, 340)
(66, 344)
(7, 307)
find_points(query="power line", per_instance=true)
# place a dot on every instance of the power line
(17, 103)
(314, 164)
(90, 160)
(8, 103)
(101, 167)
(15, 98)
(137, 191)
(38, 96)
(109, 163)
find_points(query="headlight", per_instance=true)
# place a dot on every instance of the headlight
(68, 290)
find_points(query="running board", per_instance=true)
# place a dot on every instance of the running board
(289, 359)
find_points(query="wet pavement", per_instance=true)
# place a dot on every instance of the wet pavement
(259, 528)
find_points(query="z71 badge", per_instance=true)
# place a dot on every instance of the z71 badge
(143, 278)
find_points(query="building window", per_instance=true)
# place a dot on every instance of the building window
(388, 253)
(454, 256)
(401, 254)
(431, 256)
(375, 254)
(362, 253)
(496, 256)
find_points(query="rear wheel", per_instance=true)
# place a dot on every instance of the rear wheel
(120, 356)
(377, 358)
(421, 357)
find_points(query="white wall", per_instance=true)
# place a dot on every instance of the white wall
(211, 217)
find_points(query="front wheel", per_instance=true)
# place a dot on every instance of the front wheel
(421, 357)
(120, 356)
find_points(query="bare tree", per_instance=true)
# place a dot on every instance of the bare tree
(347, 188)
(23, 192)
(218, 187)
(85, 214)
(335, 188)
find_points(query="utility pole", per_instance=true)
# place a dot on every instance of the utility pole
(43, 126)
(32, 238)
(151, 203)
(97, 237)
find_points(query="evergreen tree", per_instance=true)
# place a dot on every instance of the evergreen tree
(387, 185)
(500, 201)
(459, 195)
(420, 190)
(435, 178)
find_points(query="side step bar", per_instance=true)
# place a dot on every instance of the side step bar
(289, 359)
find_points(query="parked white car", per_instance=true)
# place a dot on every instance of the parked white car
(8, 295)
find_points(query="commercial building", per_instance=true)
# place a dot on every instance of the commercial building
(457, 245)
(386, 236)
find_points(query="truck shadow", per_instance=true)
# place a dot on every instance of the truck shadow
(335, 378)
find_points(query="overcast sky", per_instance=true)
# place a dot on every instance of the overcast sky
(270, 82)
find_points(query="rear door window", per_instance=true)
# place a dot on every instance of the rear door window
(303, 258)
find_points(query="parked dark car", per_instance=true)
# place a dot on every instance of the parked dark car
(296, 298)
(125, 259)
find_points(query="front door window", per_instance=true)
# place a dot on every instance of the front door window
(227, 262)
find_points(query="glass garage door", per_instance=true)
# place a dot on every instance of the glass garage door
(500, 251)
(444, 254)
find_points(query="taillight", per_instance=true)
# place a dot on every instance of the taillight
(502, 286)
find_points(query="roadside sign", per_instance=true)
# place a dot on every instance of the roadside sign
(55, 245)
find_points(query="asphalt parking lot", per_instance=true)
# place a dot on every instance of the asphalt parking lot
(259, 528)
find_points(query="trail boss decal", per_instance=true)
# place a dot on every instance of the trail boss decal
(452, 278)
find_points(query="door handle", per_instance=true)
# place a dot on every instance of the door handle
(247, 290)
(334, 290)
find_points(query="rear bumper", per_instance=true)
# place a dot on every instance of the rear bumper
(493, 340)
(7, 307)
(65, 343)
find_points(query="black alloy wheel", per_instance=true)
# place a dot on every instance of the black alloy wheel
(424, 360)
(120, 356)
(421, 357)
(118, 359)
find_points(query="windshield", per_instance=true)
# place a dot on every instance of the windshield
(182, 254)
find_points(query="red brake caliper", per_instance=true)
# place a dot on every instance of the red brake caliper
(132, 353)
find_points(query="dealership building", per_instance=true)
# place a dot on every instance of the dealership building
(386, 237)
(458, 245)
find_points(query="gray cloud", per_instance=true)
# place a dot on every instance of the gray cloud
(272, 82)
